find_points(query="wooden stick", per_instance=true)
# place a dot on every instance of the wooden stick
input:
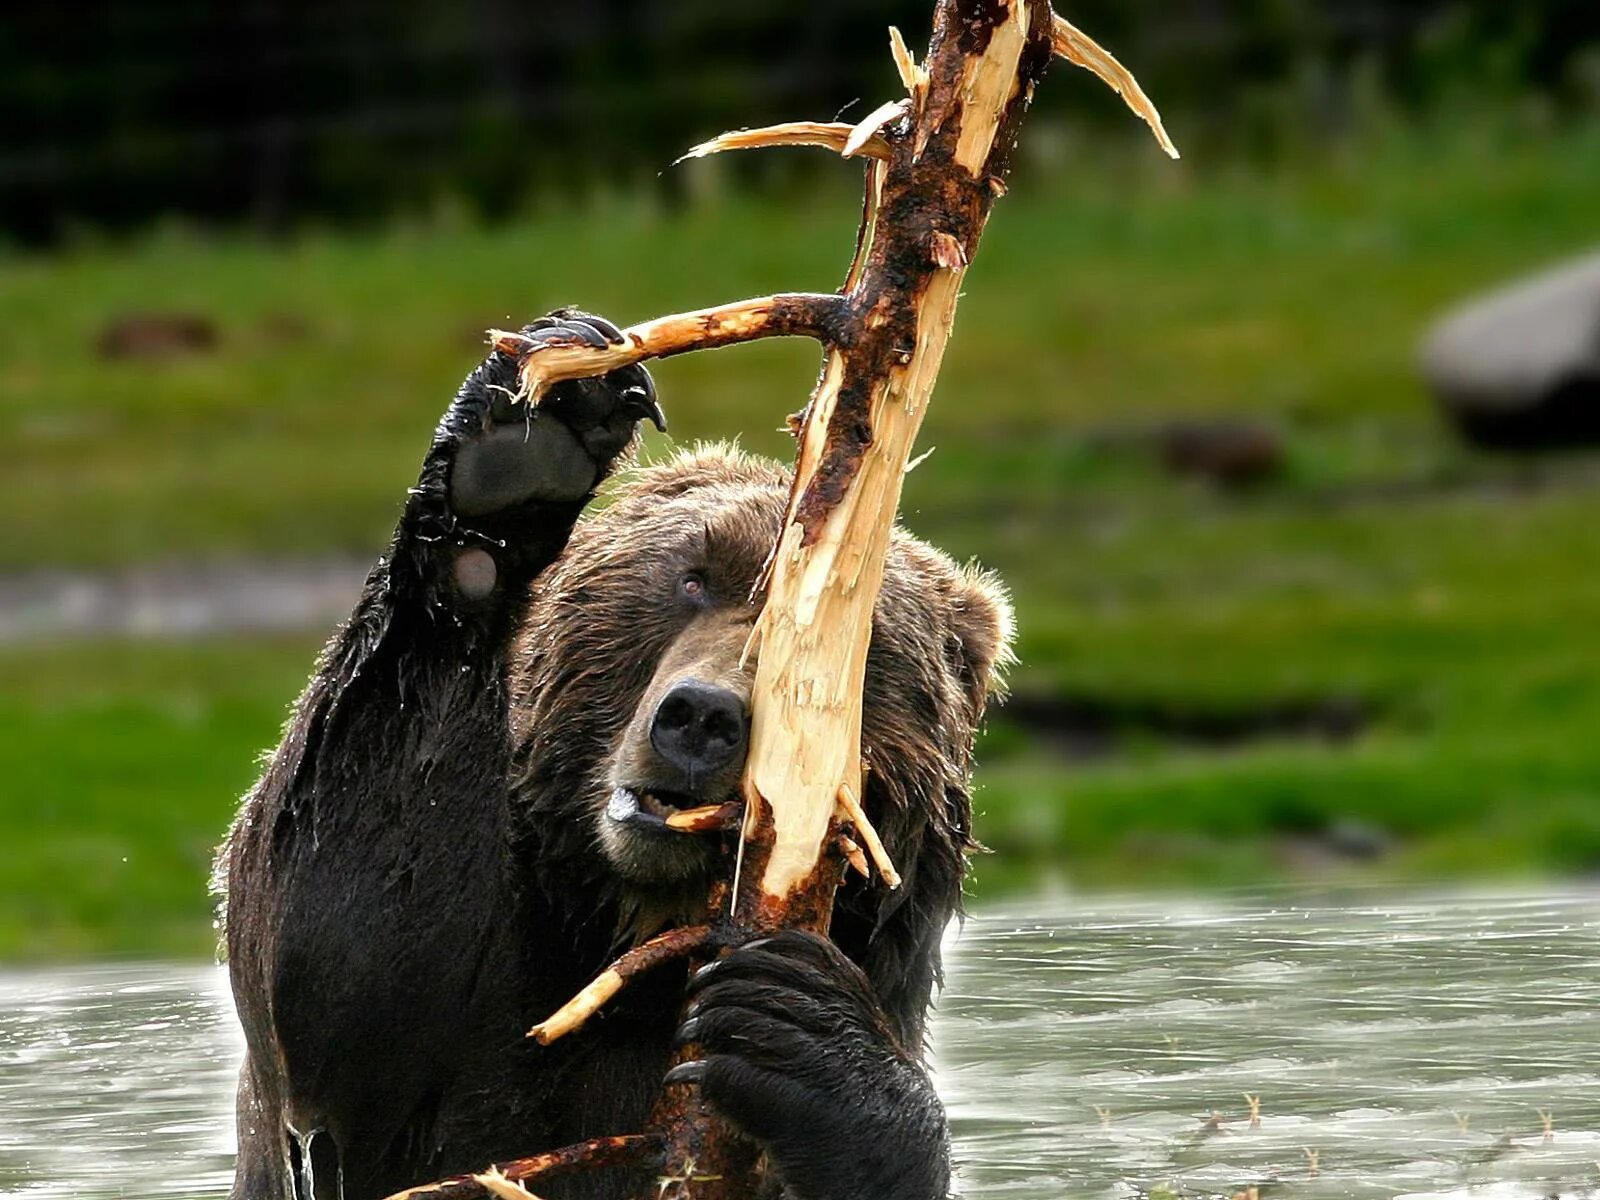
(805, 731)
(675, 943)
(924, 211)
(639, 1149)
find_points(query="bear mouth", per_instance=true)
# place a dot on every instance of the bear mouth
(664, 811)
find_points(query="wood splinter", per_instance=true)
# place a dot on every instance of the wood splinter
(853, 855)
(838, 136)
(675, 943)
(496, 1184)
(1081, 50)
(856, 815)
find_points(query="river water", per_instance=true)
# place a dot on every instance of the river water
(1438, 1046)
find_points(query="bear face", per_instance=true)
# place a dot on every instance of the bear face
(630, 681)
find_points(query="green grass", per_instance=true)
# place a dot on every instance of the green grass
(123, 764)
(1453, 595)
(1467, 625)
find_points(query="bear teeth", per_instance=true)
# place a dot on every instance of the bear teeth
(630, 806)
(655, 805)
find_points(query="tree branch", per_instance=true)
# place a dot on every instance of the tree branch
(798, 314)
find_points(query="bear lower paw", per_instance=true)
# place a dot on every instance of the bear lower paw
(796, 1054)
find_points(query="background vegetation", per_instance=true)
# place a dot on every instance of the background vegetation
(1376, 656)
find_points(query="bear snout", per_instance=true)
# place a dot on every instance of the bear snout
(700, 728)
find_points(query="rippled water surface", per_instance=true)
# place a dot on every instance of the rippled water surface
(1086, 1049)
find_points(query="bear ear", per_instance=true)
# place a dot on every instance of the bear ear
(982, 628)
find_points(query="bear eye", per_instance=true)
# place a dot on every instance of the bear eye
(692, 587)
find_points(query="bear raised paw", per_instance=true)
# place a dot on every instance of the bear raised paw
(466, 820)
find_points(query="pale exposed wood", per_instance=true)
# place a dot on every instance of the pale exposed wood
(1078, 48)
(706, 819)
(913, 76)
(867, 129)
(830, 135)
(948, 253)
(853, 855)
(987, 85)
(857, 816)
(571, 1015)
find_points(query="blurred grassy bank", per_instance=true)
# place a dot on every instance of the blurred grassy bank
(1387, 650)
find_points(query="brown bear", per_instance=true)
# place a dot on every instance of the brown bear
(464, 823)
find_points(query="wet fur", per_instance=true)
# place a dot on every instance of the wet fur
(417, 877)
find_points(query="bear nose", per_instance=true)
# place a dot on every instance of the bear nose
(698, 727)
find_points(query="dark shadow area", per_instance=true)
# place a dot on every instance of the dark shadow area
(1085, 727)
(1566, 417)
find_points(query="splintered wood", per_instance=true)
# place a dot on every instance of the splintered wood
(936, 161)
(1078, 48)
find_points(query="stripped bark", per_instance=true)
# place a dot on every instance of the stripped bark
(664, 948)
(936, 163)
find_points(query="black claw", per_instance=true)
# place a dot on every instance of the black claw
(688, 1032)
(702, 975)
(639, 401)
(552, 331)
(603, 325)
(693, 1071)
(591, 336)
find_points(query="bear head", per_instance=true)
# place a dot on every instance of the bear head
(630, 685)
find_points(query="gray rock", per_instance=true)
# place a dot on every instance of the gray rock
(1519, 368)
